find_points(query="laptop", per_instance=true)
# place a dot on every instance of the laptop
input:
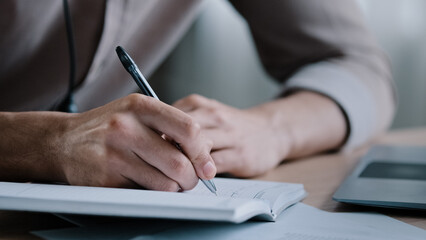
(387, 176)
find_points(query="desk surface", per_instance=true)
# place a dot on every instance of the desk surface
(320, 174)
(323, 174)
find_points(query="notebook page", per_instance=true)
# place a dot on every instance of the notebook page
(248, 189)
(62, 193)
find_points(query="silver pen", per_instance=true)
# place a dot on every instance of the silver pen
(146, 89)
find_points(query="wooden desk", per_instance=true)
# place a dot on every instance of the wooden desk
(321, 176)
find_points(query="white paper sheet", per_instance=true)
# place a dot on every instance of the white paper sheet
(237, 200)
(300, 222)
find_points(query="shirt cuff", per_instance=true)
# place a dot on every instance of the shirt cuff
(346, 89)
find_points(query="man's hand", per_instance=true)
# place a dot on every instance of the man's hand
(244, 142)
(116, 145)
(250, 142)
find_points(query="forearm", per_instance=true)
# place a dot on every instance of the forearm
(28, 146)
(336, 56)
(307, 121)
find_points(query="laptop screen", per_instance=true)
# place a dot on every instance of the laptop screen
(409, 171)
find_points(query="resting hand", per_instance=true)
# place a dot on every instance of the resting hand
(244, 142)
(250, 142)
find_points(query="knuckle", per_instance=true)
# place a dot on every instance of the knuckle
(212, 111)
(116, 121)
(179, 165)
(220, 119)
(209, 144)
(119, 122)
(168, 186)
(135, 102)
(191, 183)
(203, 158)
(192, 129)
(218, 115)
(194, 98)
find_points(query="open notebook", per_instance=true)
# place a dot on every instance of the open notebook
(237, 201)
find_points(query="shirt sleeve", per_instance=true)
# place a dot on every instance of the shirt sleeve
(325, 46)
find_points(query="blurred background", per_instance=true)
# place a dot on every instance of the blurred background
(217, 58)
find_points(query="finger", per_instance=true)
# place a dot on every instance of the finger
(127, 133)
(199, 166)
(149, 177)
(129, 183)
(203, 171)
(203, 162)
(165, 157)
(207, 118)
(164, 118)
(130, 171)
(191, 102)
(220, 138)
(226, 160)
(180, 127)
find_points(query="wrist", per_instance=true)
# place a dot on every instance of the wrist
(278, 126)
(304, 123)
(31, 146)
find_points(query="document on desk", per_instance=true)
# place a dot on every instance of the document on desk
(302, 222)
(237, 201)
(299, 222)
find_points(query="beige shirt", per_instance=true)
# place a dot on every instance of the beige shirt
(320, 45)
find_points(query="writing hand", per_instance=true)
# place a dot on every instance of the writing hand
(116, 145)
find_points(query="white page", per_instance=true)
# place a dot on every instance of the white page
(238, 188)
(117, 202)
(351, 225)
(383, 223)
(235, 202)
(300, 222)
(234, 188)
(98, 195)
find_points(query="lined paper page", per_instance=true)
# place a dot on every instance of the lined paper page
(238, 188)
(226, 187)
(61, 193)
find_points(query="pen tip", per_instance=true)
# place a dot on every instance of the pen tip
(213, 185)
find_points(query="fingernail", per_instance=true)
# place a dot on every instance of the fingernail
(209, 170)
